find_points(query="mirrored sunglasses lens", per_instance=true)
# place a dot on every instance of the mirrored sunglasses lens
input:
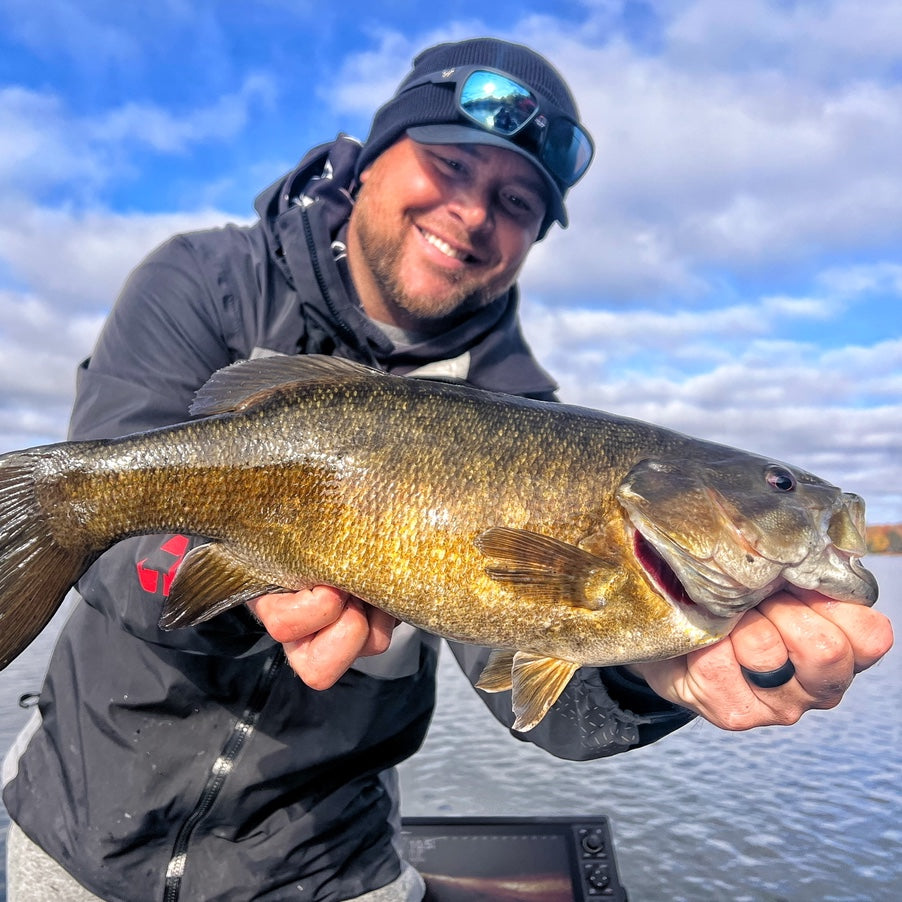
(497, 103)
(567, 151)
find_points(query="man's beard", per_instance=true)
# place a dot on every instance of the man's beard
(382, 253)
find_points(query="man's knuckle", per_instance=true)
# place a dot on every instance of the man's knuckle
(830, 651)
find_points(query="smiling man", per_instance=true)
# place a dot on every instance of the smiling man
(440, 230)
(193, 764)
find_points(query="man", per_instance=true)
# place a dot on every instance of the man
(193, 764)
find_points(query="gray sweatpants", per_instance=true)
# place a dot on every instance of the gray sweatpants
(33, 876)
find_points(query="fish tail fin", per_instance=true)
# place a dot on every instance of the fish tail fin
(36, 572)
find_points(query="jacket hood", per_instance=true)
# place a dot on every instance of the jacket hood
(325, 175)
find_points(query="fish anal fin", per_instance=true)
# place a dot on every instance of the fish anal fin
(249, 383)
(538, 681)
(208, 582)
(547, 569)
(496, 675)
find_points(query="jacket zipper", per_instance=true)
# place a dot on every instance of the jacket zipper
(216, 778)
(320, 278)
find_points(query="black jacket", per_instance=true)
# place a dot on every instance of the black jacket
(193, 764)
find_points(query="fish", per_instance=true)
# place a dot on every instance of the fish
(559, 536)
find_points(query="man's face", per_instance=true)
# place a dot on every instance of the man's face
(441, 229)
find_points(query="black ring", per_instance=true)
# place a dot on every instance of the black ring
(771, 679)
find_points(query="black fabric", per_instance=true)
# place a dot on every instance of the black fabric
(198, 751)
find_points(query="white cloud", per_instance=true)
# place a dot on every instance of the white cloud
(74, 266)
(167, 132)
(40, 144)
(79, 29)
(735, 374)
(826, 39)
(90, 252)
(706, 161)
(47, 150)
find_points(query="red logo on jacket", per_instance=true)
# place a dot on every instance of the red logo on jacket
(156, 571)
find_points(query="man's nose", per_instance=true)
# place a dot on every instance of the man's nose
(473, 206)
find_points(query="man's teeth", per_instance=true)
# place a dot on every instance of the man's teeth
(444, 247)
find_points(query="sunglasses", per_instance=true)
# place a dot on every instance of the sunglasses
(508, 108)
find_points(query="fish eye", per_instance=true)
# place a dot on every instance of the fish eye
(782, 480)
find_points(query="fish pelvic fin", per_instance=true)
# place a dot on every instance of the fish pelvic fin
(547, 569)
(36, 571)
(496, 675)
(536, 680)
(209, 581)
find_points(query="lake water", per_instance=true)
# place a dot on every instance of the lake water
(783, 814)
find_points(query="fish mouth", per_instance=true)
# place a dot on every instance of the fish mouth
(699, 588)
(732, 532)
(661, 574)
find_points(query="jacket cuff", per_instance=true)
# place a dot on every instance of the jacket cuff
(631, 693)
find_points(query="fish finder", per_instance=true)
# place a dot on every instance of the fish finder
(513, 859)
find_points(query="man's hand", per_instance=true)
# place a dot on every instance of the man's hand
(827, 641)
(323, 631)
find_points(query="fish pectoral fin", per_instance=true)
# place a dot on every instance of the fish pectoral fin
(208, 582)
(546, 568)
(496, 675)
(537, 683)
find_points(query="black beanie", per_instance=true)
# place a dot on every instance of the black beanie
(434, 104)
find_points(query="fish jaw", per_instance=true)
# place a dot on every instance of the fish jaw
(837, 571)
(731, 533)
(837, 575)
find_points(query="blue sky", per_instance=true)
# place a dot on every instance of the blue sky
(733, 266)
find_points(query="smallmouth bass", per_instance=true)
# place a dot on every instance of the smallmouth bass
(559, 536)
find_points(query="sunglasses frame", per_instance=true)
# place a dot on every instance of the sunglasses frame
(544, 118)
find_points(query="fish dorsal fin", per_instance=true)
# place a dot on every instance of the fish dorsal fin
(496, 675)
(546, 568)
(250, 382)
(208, 582)
(537, 683)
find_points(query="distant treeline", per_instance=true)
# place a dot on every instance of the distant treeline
(885, 539)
